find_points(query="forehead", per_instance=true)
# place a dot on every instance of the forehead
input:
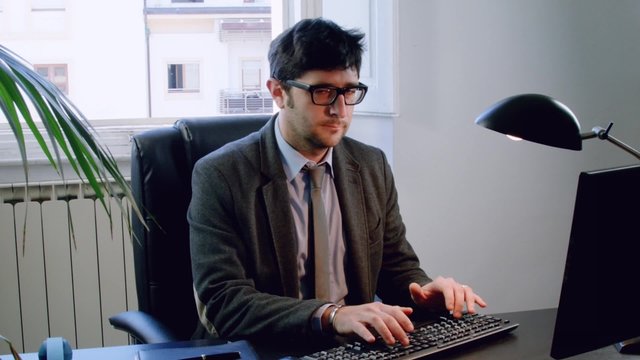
(339, 78)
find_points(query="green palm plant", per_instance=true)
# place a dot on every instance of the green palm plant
(14, 352)
(25, 96)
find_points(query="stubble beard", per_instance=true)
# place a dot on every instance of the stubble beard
(316, 141)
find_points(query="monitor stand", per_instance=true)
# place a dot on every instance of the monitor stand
(629, 346)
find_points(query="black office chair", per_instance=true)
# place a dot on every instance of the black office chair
(161, 163)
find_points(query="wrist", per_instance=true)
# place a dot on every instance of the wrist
(320, 319)
(332, 311)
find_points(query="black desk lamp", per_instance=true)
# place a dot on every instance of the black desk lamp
(542, 119)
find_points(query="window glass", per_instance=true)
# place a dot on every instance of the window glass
(183, 77)
(251, 75)
(56, 73)
(42, 71)
(210, 60)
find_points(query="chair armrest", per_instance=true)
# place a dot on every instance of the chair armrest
(143, 327)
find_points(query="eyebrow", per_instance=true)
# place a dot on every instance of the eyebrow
(334, 86)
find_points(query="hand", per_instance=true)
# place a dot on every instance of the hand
(446, 293)
(390, 322)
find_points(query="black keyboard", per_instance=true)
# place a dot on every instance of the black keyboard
(428, 338)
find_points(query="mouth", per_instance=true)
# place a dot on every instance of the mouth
(333, 125)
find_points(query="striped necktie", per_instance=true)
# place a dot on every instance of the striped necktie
(320, 233)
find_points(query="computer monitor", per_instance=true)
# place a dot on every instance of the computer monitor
(598, 305)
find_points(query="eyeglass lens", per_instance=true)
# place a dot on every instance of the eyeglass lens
(326, 96)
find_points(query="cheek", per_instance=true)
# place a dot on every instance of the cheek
(289, 102)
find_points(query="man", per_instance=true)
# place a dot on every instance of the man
(252, 251)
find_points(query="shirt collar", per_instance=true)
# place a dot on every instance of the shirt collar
(292, 160)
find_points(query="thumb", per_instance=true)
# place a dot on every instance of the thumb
(417, 295)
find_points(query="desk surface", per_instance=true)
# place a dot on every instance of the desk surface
(531, 340)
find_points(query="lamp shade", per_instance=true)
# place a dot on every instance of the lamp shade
(534, 117)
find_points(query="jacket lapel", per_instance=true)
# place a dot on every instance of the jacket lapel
(352, 205)
(280, 220)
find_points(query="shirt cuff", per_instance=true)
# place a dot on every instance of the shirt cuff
(316, 319)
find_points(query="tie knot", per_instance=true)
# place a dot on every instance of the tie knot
(316, 173)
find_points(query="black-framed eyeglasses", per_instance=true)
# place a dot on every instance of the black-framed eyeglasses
(327, 95)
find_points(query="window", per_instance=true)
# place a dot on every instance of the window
(183, 78)
(47, 5)
(245, 29)
(56, 73)
(206, 61)
(251, 75)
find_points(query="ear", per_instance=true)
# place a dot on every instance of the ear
(277, 92)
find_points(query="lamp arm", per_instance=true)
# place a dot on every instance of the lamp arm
(603, 134)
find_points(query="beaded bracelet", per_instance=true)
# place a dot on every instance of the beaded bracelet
(332, 316)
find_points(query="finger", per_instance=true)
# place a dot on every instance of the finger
(459, 301)
(401, 315)
(390, 329)
(401, 324)
(398, 333)
(449, 298)
(417, 295)
(470, 298)
(405, 324)
(362, 331)
(381, 328)
(480, 301)
(473, 299)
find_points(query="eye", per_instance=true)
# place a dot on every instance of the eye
(324, 91)
(351, 92)
(324, 94)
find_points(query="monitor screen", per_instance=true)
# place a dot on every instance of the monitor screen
(597, 305)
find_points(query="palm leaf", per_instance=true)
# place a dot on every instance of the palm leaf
(15, 354)
(68, 131)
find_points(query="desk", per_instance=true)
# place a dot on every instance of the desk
(531, 340)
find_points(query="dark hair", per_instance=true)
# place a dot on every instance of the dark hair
(315, 44)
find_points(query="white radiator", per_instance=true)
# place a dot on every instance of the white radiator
(54, 287)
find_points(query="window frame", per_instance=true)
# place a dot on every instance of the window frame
(51, 75)
(184, 78)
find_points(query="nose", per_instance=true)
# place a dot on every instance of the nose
(338, 108)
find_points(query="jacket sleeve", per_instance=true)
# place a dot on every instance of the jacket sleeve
(400, 265)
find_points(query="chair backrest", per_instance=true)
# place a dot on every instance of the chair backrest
(161, 163)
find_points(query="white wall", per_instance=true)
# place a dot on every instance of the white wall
(493, 213)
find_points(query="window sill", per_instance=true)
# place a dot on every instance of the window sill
(114, 134)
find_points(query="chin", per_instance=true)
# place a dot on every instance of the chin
(334, 141)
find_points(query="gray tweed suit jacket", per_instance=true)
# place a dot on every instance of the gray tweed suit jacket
(243, 247)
